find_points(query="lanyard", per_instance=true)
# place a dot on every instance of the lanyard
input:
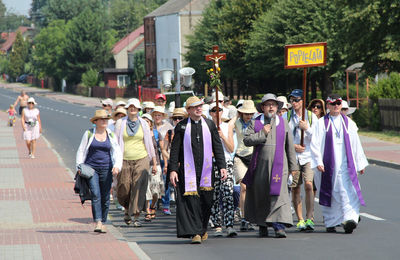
(337, 130)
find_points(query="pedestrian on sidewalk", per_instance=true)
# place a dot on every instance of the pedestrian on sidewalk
(267, 198)
(134, 138)
(337, 156)
(223, 209)
(195, 139)
(32, 126)
(100, 150)
(303, 158)
(22, 99)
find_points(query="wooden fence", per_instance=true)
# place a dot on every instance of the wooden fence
(390, 113)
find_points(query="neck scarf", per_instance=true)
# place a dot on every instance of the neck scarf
(132, 127)
(277, 165)
(325, 194)
(189, 166)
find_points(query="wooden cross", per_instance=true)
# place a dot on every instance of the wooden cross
(215, 57)
(276, 178)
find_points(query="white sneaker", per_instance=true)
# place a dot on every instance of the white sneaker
(32, 156)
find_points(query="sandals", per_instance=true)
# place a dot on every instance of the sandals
(148, 217)
(127, 219)
(153, 213)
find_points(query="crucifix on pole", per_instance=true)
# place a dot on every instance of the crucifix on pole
(215, 57)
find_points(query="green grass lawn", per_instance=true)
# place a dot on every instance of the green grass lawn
(390, 136)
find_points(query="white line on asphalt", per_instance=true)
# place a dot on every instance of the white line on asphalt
(72, 114)
(84, 117)
(362, 214)
(371, 216)
(77, 115)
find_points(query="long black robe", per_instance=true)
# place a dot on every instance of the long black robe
(193, 212)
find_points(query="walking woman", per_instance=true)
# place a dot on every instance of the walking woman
(100, 150)
(136, 144)
(32, 126)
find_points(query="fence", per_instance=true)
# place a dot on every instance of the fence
(390, 113)
(108, 92)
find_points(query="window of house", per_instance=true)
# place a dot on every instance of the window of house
(123, 81)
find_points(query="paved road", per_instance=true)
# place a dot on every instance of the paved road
(376, 237)
(63, 123)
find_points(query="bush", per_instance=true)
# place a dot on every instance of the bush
(386, 88)
(90, 78)
(368, 116)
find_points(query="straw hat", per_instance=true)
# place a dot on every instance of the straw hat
(179, 111)
(31, 100)
(193, 102)
(159, 110)
(101, 113)
(247, 107)
(119, 110)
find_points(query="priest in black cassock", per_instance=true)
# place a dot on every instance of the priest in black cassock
(194, 149)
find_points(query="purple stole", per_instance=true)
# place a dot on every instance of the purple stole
(277, 165)
(189, 166)
(325, 194)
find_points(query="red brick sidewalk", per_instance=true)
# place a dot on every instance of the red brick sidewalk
(40, 216)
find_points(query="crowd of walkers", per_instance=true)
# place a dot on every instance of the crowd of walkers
(222, 163)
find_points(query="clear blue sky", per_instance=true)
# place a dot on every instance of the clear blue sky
(18, 6)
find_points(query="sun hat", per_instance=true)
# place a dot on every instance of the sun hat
(148, 104)
(119, 110)
(31, 100)
(120, 103)
(350, 110)
(220, 96)
(283, 99)
(193, 101)
(213, 105)
(159, 110)
(312, 103)
(159, 95)
(135, 102)
(148, 116)
(179, 111)
(270, 96)
(101, 113)
(298, 93)
(107, 101)
(247, 107)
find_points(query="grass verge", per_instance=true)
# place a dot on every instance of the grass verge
(389, 136)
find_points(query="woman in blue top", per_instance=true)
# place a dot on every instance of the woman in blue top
(100, 150)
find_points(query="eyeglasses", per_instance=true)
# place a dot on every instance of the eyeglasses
(295, 100)
(317, 106)
(177, 118)
(248, 114)
(270, 104)
(337, 102)
(214, 111)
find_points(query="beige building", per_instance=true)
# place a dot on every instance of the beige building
(124, 49)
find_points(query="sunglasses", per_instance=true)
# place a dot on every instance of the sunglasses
(338, 102)
(317, 106)
(177, 118)
(105, 105)
(295, 100)
(31, 103)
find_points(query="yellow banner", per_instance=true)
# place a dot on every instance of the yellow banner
(305, 56)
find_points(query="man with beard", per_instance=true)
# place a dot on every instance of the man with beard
(267, 198)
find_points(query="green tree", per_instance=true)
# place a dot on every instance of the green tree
(90, 78)
(48, 53)
(89, 44)
(139, 66)
(36, 13)
(18, 56)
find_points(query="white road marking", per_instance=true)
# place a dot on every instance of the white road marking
(77, 115)
(371, 216)
(362, 214)
(84, 117)
(72, 114)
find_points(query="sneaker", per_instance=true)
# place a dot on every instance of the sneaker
(301, 225)
(309, 225)
(251, 227)
(349, 226)
(98, 227)
(218, 232)
(196, 239)
(166, 212)
(231, 232)
(103, 229)
(111, 198)
(137, 223)
(244, 226)
(280, 233)
(32, 156)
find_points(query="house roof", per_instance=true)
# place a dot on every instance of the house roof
(170, 7)
(124, 42)
(12, 36)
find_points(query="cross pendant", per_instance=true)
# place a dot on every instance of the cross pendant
(198, 138)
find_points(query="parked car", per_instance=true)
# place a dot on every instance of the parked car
(23, 78)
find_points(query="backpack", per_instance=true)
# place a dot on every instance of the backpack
(309, 115)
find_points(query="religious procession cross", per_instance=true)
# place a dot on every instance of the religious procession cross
(215, 57)
(276, 178)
